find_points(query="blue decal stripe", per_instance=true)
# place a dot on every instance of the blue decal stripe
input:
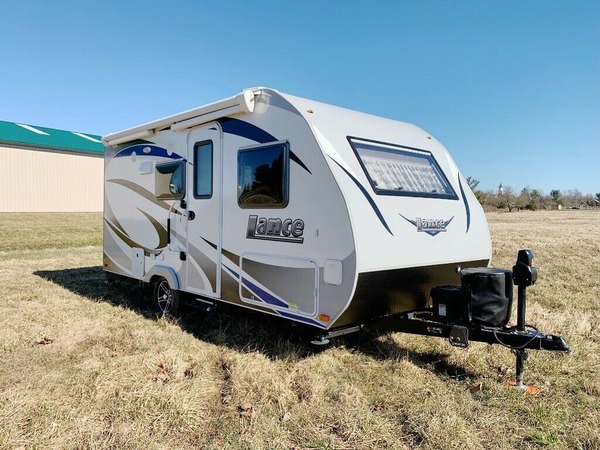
(155, 150)
(367, 196)
(245, 129)
(263, 295)
(282, 313)
(467, 209)
(297, 160)
(235, 275)
(254, 133)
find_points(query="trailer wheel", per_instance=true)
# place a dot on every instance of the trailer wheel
(166, 299)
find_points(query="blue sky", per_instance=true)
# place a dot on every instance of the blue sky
(511, 88)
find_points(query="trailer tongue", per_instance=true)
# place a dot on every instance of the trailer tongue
(478, 310)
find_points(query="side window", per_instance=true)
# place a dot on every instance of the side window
(203, 172)
(170, 181)
(263, 176)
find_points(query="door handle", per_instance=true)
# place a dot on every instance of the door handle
(191, 215)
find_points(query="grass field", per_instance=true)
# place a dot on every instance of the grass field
(85, 364)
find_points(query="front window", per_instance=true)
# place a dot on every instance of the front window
(263, 176)
(396, 170)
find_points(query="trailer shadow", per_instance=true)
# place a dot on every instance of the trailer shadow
(382, 347)
(240, 329)
(91, 283)
(245, 330)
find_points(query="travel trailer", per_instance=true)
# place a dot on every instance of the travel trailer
(318, 214)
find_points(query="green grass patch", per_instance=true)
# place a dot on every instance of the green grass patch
(39, 231)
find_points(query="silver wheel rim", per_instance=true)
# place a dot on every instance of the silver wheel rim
(164, 296)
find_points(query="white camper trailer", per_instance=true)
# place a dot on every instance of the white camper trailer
(300, 209)
(332, 218)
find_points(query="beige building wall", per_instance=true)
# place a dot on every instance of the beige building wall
(46, 181)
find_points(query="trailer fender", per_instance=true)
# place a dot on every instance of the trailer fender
(165, 272)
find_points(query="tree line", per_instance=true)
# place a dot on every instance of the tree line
(505, 197)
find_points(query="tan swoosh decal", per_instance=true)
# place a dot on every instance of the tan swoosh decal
(143, 192)
(160, 230)
(130, 242)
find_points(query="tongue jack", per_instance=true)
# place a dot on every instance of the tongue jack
(524, 275)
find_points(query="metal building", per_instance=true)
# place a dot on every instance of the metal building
(48, 170)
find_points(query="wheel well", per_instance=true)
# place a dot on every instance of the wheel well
(153, 279)
(165, 272)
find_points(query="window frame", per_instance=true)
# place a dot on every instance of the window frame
(286, 175)
(405, 150)
(194, 174)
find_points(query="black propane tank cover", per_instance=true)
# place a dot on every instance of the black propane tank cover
(488, 293)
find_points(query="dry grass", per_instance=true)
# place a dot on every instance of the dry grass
(85, 364)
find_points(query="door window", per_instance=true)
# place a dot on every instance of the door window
(203, 169)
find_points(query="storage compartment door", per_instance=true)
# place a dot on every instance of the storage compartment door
(281, 283)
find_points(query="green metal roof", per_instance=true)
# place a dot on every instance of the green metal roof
(23, 135)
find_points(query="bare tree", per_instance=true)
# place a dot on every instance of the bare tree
(524, 198)
(473, 183)
(573, 197)
(555, 195)
(481, 195)
(508, 198)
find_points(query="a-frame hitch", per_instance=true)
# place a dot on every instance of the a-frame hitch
(520, 338)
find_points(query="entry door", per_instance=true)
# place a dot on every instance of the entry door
(204, 211)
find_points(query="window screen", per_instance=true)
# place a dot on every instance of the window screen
(396, 170)
(203, 173)
(263, 176)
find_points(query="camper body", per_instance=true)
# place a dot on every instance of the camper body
(307, 211)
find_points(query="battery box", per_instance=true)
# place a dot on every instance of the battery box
(448, 304)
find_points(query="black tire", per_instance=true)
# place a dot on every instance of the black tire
(166, 299)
